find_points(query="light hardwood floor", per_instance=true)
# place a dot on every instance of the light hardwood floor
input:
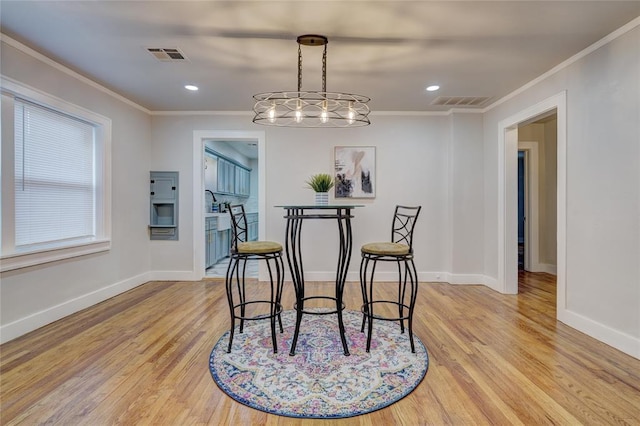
(142, 358)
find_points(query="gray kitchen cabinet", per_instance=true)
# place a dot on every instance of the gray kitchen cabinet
(243, 182)
(225, 176)
(222, 245)
(211, 172)
(252, 226)
(211, 227)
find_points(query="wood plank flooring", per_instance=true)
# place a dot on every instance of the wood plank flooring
(142, 358)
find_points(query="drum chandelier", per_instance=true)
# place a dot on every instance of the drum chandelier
(311, 108)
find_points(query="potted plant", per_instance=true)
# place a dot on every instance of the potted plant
(321, 183)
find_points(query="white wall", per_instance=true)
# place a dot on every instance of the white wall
(32, 297)
(466, 200)
(603, 188)
(413, 157)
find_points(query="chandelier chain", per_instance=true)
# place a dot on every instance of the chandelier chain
(299, 67)
(324, 69)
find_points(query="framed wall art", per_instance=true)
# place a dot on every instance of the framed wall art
(355, 171)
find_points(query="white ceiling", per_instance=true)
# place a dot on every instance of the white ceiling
(387, 50)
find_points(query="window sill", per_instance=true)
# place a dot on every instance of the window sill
(14, 261)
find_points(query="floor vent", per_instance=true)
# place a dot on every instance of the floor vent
(167, 54)
(461, 101)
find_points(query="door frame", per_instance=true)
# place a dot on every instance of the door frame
(508, 196)
(531, 194)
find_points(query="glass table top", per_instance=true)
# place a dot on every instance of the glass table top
(321, 207)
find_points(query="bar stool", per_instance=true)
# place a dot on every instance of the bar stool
(241, 251)
(399, 250)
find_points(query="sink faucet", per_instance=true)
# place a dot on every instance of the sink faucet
(214, 197)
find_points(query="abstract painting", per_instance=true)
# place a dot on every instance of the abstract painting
(355, 171)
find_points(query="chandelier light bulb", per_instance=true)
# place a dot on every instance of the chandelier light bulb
(298, 115)
(324, 115)
(272, 114)
(351, 115)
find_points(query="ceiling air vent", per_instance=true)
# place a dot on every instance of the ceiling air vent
(167, 54)
(461, 101)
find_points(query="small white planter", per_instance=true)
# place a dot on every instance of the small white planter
(322, 198)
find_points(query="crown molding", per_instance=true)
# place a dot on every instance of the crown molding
(39, 56)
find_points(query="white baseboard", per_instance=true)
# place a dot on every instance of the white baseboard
(442, 277)
(174, 276)
(472, 279)
(492, 283)
(544, 267)
(614, 338)
(39, 319)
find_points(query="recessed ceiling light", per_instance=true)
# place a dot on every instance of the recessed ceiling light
(191, 87)
(433, 88)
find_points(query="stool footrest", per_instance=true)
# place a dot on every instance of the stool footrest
(259, 316)
(328, 312)
(384, 318)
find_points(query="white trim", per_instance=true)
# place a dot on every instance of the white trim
(492, 283)
(603, 41)
(191, 113)
(199, 137)
(466, 279)
(532, 203)
(13, 259)
(39, 56)
(39, 319)
(507, 207)
(175, 275)
(612, 337)
(374, 113)
(507, 194)
(545, 267)
(24, 260)
(423, 277)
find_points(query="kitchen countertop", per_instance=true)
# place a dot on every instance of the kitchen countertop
(217, 214)
(226, 214)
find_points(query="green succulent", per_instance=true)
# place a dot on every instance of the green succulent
(321, 182)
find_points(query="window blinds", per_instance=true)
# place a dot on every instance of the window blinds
(55, 190)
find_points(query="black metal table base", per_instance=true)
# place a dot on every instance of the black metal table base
(295, 216)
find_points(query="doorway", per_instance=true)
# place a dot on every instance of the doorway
(200, 139)
(522, 207)
(230, 178)
(508, 195)
(528, 204)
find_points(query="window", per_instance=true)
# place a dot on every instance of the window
(55, 186)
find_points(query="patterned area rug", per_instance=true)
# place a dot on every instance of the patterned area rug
(319, 381)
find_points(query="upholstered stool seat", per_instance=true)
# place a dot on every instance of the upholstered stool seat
(241, 251)
(400, 251)
(388, 249)
(259, 247)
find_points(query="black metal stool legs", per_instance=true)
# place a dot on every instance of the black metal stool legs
(363, 291)
(405, 301)
(229, 285)
(412, 304)
(275, 300)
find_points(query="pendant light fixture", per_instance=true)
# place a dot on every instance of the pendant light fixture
(311, 108)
